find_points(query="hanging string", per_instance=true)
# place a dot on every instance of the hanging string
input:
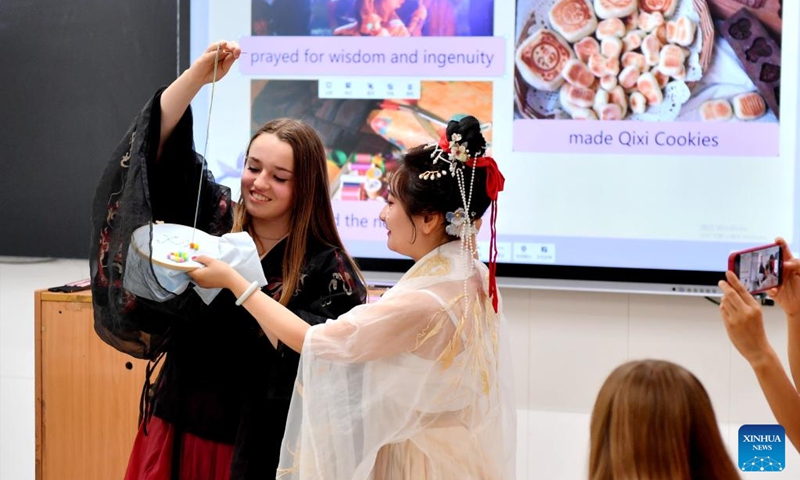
(205, 146)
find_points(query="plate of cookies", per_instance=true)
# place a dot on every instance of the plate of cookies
(609, 59)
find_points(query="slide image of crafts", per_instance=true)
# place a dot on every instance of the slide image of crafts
(373, 18)
(365, 138)
(648, 60)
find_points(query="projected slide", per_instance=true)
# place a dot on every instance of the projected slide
(633, 134)
(710, 78)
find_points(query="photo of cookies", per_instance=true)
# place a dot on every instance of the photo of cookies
(648, 60)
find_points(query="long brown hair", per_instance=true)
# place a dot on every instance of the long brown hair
(653, 420)
(312, 213)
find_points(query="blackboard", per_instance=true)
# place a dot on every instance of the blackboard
(75, 75)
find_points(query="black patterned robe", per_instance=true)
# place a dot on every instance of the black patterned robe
(222, 380)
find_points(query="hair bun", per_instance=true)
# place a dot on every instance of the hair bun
(470, 130)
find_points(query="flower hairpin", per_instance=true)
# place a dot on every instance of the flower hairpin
(452, 152)
(459, 224)
(458, 151)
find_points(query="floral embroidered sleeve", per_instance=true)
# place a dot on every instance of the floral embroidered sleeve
(135, 190)
(329, 288)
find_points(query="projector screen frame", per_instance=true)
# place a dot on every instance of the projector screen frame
(379, 271)
(386, 271)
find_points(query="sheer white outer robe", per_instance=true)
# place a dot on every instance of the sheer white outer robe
(415, 386)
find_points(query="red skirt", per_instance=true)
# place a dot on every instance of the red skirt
(151, 458)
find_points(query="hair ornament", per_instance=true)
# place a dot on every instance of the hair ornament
(458, 151)
(459, 224)
(432, 174)
(452, 152)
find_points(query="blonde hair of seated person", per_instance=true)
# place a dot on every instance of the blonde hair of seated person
(653, 420)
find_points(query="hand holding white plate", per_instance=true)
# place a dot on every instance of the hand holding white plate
(160, 277)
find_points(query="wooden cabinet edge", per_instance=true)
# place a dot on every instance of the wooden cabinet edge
(37, 366)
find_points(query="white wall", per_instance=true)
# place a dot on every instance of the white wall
(564, 345)
(18, 281)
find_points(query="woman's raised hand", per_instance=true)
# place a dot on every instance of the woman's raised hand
(743, 320)
(177, 97)
(224, 52)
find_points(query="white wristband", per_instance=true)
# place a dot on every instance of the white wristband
(252, 288)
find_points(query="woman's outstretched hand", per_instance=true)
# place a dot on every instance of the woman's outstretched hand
(215, 273)
(743, 319)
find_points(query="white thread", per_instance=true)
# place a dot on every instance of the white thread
(205, 147)
(252, 288)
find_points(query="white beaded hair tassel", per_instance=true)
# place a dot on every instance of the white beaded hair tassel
(466, 232)
(460, 221)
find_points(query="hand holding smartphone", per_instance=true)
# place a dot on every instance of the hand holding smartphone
(758, 268)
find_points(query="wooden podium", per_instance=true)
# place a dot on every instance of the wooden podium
(87, 394)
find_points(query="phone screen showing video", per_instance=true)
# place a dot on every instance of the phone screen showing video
(759, 269)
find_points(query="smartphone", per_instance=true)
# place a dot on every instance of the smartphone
(758, 268)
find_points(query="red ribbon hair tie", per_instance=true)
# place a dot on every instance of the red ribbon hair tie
(495, 182)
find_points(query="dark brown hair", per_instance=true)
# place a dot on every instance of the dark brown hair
(442, 195)
(312, 213)
(653, 420)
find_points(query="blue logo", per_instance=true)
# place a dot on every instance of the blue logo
(762, 448)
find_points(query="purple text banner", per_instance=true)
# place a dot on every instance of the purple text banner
(727, 139)
(359, 220)
(434, 57)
